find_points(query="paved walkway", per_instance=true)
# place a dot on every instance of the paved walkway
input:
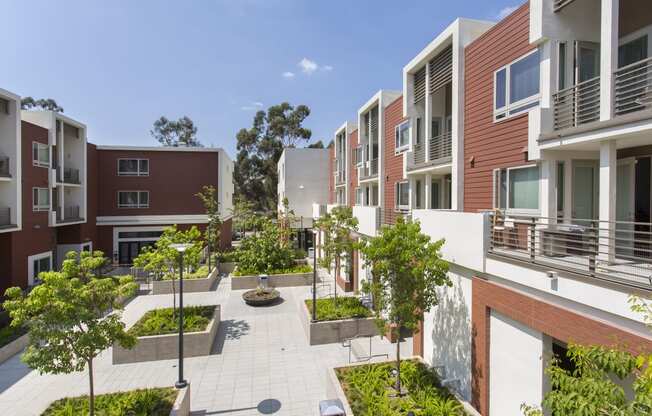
(261, 363)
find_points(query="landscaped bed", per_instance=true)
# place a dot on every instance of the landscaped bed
(344, 308)
(165, 321)
(198, 281)
(369, 390)
(200, 273)
(337, 321)
(297, 268)
(297, 275)
(9, 334)
(150, 402)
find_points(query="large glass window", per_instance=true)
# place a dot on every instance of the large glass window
(133, 199)
(516, 86)
(133, 167)
(40, 199)
(40, 263)
(40, 155)
(402, 136)
(402, 194)
(517, 188)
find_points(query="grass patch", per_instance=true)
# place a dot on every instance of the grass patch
(150, 402)
(346, 307)
(10, 333)
(369, 390)
(162, 321)
(297, 268)
(200, 273)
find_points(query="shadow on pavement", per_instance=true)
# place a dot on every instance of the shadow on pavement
(229, 329)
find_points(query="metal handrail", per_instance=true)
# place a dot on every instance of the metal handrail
(577, 105)
(617, 251)
(418, 155)
(4, 166)
(633, 87)
(440, 147)
(389, 216)
(371, 170)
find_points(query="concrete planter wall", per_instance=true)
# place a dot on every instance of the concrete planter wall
(13, 348)
(273, 280)
(334, 389)
(166, 347)
(182, 403)
(164, 287)
(227, 268)
(329, 332)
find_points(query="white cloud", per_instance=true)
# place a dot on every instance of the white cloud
(308, 66)
(505, 11)
(327, 68)
(256, 105)
(288, 75)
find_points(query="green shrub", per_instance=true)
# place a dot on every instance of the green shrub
(9, 334)
(200, 273)
(368, 390)
(300, 254)
(230, 256)
(128, 287)
(297, 268)
(265, 251)
(145, 402)
(345, 308)
(165, 321)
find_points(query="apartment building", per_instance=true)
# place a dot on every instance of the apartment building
(303, 178)
(59, 193)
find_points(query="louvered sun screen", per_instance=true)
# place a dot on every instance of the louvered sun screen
(420, 85)
(441, 69)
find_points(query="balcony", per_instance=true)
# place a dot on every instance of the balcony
(5, 218)
(389, 216)
(4, 167)
(68, 175)
(439, 152)
(619, 251)
(577, 105)
(68, 214)
(370, 171)
(633, 87)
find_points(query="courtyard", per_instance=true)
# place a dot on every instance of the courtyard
(261, 362)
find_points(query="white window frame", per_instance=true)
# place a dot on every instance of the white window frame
(359, 196)
(32, 279)
(397, 198)
(138, 204)
(358, 156)
(508, 209)
(40, 207)
(138, 172)
(400, 148)
(506, 112)
(36, 162)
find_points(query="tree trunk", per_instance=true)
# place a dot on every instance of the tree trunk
(337, 271)
(91, 394)
(398, 360)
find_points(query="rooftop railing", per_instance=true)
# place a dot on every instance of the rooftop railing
(633, 87)
(4, 167)
(616, 251)
(577, 105)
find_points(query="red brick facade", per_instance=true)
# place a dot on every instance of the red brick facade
(492, 144)
(393, 162)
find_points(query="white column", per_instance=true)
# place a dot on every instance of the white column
(427, 119)
(608, 55)
(607, 199)
(548, 191)
(427, 191)
(412, 193)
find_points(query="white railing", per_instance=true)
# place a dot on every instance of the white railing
(577, 105)
(633, 87)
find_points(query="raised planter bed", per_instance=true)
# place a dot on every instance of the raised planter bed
(334, 389)
(273, 280)
(166, 347)
(255, 297)
(329, 332)
(226, 267)
(164, 287)
(13, 348)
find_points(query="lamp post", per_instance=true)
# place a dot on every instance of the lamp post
(180, 248)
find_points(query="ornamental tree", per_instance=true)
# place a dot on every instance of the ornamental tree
(208, 197)
(265, 251)
(407, 270)
(68, 319)
(338, 227)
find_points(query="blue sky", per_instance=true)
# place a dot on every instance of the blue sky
(118, 65)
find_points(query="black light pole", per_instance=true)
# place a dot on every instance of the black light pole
(314, 277)
(181, 248)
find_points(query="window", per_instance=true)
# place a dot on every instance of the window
(402, 137)
(140, 234)
(133, 199)
(419, 132)
(358, 155)
(358, 196)
(561, 70)
(40, 155)
(560, 189)
(516, 86)
(417, 192)
(402, 195)
(38, 264)
(633, 51)
(40, 199)
(133, 167)
(517, 188)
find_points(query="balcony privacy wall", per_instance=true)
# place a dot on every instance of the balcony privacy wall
(353, 171)
(393, 162)
(331, 174)
(492, 145)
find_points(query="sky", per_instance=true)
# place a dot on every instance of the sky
(119, 65)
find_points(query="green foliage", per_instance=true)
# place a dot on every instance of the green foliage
(29, 103)
(338, 227)
(265, 252)
(11, 333)
(367, 390)
(260, 147)
(68, 317)
(181, 132)
(208, 196)
(128, 287)
(243, 214)
(231, 256)
(200, 273)
(161, 258)
(166, 321)
(296, 268)
(329, 309)
(146, 402)
(300, 254)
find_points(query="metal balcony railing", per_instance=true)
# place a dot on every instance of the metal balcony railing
(371, 170)
(389, 216)
(440, 147)
(418, 155)
(69, 213)
(68, 175)
(557, 5)
(5, 216)
(633, 87)
(616, 251)
(577, 105)
(340, 177)
(4, 167)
